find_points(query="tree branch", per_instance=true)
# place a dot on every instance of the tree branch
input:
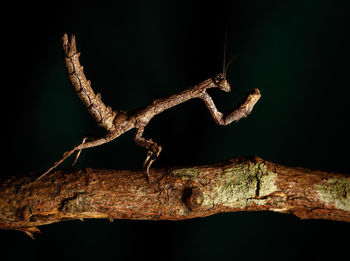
(240, 184)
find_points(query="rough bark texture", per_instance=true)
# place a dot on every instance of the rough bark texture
(240, 184)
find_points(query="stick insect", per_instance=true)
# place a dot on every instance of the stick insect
(117, 122)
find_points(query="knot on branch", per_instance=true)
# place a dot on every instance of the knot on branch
(192, 198)
(77, 204)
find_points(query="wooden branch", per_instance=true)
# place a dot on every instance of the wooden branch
(240, 184)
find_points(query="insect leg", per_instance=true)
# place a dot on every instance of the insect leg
(81, 146)
(244, 108)
(240, 111)
(217, 116)
(79, 152)
(153, 150)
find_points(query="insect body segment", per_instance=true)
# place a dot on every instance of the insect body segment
(119, 122)
(103, 114)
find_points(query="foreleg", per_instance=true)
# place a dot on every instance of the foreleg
(241, 111)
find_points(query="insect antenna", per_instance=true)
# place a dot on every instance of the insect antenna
(228, 64)
(224, 65)
(224, 62)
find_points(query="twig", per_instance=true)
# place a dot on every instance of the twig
(119, 122)
(240, 184)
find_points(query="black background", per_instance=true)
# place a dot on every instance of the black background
(295, 52)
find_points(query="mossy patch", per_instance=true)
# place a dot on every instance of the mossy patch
(187, 172)
(335, 192)
(241, 183)
(267, 181)
(236, 186)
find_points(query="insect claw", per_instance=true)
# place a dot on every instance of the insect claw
(147, 173)
(149, 155)
(152, 155)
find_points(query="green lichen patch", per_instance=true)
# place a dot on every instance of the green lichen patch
(335, 192)
(187, 172)
(267, 181)
(238, 186)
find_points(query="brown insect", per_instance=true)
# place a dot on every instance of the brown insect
(117, 122)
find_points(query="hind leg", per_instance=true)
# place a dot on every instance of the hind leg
(81, 146)
(79, 152)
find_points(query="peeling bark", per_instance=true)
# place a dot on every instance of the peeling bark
(240, 184)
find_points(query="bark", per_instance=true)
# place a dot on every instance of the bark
(240, 184)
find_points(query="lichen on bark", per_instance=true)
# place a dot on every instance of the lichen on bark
(247, 184)
(239, 184)
(335, 192)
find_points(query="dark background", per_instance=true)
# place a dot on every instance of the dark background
(295, 52)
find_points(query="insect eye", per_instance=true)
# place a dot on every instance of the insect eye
(219, 78)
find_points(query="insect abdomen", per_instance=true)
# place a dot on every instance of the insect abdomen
(103, 114)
